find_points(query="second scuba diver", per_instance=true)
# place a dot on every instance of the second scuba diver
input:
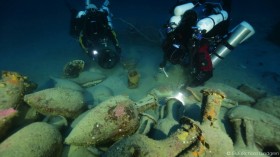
(96, 36)
(198, 38)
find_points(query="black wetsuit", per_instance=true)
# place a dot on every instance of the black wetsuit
(190, 51)
(91, 27)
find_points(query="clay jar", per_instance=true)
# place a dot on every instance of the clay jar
(169, 122)
(133, 79)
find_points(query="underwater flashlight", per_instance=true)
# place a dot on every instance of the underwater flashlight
(179, 96)
(94, 52)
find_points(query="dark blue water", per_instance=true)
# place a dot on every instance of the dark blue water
(35, 42)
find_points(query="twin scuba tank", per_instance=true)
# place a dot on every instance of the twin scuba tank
(205, 24)
(236, 36)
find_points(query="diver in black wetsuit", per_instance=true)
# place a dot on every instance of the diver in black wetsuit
(191, 46)
(94, 30)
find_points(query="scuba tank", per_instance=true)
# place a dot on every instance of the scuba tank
(206, 24)
(239, 34)
(87, 3)
(181, 9)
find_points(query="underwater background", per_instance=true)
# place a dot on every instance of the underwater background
(35, 40)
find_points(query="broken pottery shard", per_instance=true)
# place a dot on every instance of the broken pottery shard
(65, 83)
(74, 68)
(231, 93)
(57, 101)
(36, 139)
(107, 122)
(87, 79)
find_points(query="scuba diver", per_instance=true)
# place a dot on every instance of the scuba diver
(197, 37)
(95, 32)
